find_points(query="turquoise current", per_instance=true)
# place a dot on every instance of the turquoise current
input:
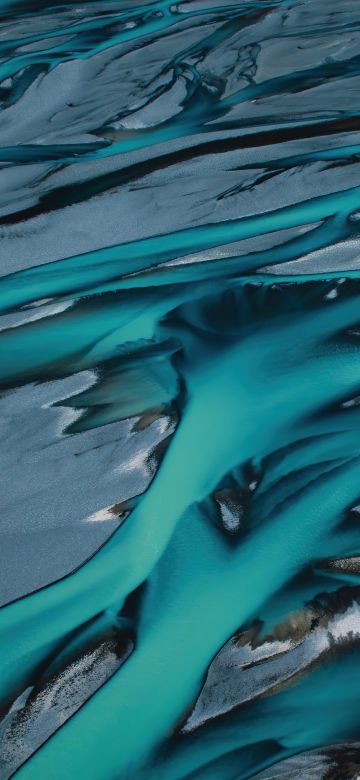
(180, 389)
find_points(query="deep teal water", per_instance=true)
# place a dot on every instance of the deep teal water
(180, 390)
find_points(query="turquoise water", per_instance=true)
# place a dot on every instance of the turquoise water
(180, 390)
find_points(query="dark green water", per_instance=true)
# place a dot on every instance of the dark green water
(180, 390)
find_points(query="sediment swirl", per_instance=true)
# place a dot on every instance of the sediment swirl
(180, 389)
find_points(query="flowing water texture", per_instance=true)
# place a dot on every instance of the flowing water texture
(180, 389)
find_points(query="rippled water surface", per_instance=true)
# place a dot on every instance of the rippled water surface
(180, 389)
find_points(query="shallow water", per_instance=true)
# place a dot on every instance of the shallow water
(180, 389)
